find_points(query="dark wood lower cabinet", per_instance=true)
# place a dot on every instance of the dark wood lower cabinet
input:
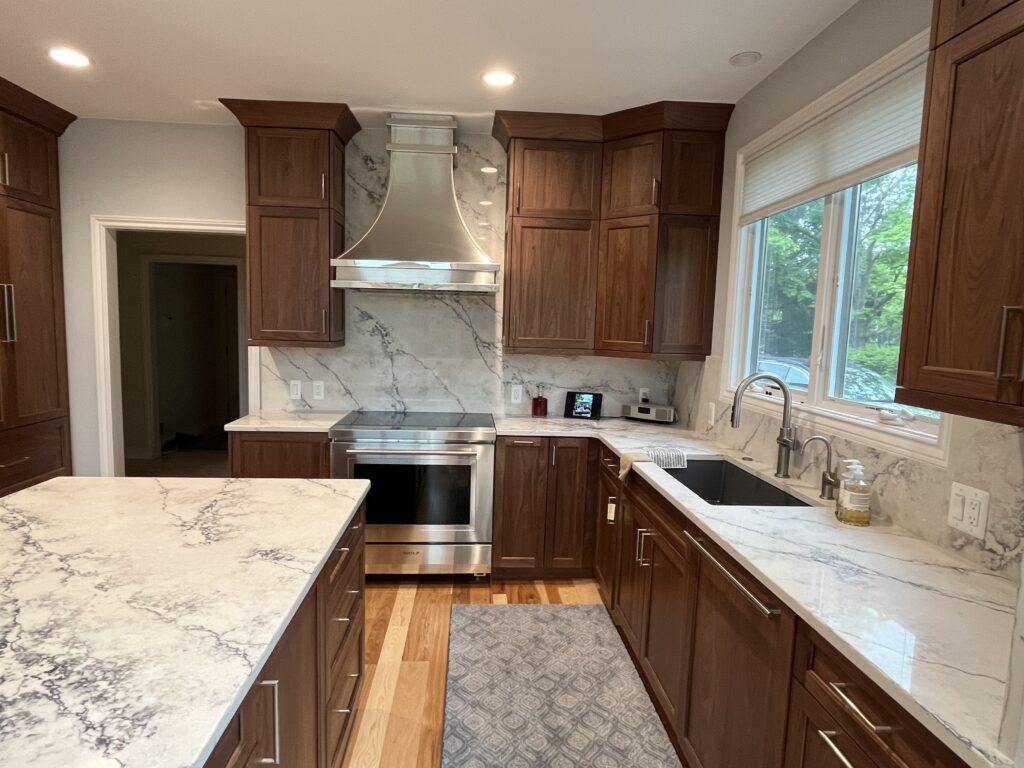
(607, 526)
(568, 539)
(815, 740)
(298, 713)
(279, 454)
(629, 606)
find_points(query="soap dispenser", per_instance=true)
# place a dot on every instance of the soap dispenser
(854, 504)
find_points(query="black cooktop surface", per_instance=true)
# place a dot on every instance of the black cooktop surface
(415, 420)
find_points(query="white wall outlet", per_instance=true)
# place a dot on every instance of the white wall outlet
(318, 390)
(968, 510)
(711, 414)
(295, 389)
(645, 394)
(517, 393)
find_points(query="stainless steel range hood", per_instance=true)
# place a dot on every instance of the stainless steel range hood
(419, 241)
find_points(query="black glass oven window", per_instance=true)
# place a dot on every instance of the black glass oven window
(405, 494)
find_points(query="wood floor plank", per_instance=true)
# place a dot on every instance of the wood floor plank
(480, 594)
(401, 614)
(551, 591)
(408, 716)
(499, 599)
(380, 600)
(542, 592)
(428, 630)
(370, 738)
(586, 590)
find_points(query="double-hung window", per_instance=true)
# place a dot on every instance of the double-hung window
(824, 243)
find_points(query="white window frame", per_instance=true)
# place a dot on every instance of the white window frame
(928, 441)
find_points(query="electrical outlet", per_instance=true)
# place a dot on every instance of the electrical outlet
(295, 389)
(318, 390)
(968, 510)
(517, 393)
(645, 394)
(711, 414)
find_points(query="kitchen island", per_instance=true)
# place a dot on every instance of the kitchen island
(135, 613)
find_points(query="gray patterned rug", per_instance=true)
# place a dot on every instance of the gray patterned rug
(546, 685)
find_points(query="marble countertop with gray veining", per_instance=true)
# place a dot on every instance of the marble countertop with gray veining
(931, 629)
(136, 612)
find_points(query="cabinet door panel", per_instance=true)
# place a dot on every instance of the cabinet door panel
(28, 161)
(288, 166)
(556, 179)
(280, 455)
(552, 280)
(608, 522)
(289, 274)
(632, 172)
(669, 628)
(966, 267)
(691, 178)
(954, 16)
(739, 682)
(685, 301)
(627, 266)
(815, 740)
(567, 530)
(632, 588)
(36, 373)
(520, 502)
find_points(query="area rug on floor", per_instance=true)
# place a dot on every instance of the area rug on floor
(546, 685)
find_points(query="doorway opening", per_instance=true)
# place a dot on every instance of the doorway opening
(183, 352)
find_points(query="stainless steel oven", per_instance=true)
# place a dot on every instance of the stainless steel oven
(431, 488)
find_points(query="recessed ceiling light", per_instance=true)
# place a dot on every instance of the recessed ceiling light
(499, 78)
(69, 57)
(745, 59)
(486, 202)
(488, 169)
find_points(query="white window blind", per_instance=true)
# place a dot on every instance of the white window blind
(837, 150)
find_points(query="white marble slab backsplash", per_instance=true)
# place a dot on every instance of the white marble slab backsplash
(912, 493)
(441, 351)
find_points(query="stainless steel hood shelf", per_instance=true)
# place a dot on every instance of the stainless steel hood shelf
(419, 241)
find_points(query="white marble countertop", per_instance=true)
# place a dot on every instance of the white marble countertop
(286, 421)
(136, 612)
(933, 630)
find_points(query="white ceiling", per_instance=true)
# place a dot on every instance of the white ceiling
(168, 60)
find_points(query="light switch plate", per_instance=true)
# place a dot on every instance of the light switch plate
(295, 389)
(318, 390)
(517, 393)
(968, 510)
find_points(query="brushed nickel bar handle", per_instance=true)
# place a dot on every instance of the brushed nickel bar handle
(1001, 349)
(392, 452)
(654, 192)
(613, 507)
(840, 690)
(766, 611)
(352, 674)
(519, 197)
(10, 314)
(647, 331)
(554, 449)
(276, 759)
(342, 619)
(644, 563)
(15, 463)
(523, 442)
(636, 551)
(7, 170)
(343, 711)
(323, 186)
(827, 737)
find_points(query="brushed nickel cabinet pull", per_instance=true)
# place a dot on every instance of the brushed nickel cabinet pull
(15, 463)
(639, 533)
(654, 192)
(342, 619)
(829, 738)
(276, 759)
(645, 562)
(351, 591)
(523, 442)
(1001, 349)
(519, 197)
(840, 690)
(554, 448)
(323, 186)
(647, 332)
(766, 611)
(343, 711)
(10, 313)
(352, 674)
(7, 170)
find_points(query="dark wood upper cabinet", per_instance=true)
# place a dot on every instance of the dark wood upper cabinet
(295, 166)
(691, 178)
(951, 17)
(684, 303)
(739, 683)
(28, 161)
(555, 179)
(551, 284)
(627, 268)
(568, 540)
(34, 376)
(963, 335)
(607, 526)
(520, 502)
(632, 174)
(279, 454)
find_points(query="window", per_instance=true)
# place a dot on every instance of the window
(826, 282)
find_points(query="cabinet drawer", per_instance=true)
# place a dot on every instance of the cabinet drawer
(609, 461)
(338, 573)
(343, 690)
(815, 740)
(29, 455)
(882, 728)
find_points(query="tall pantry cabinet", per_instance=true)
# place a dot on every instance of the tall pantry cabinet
(34, 432)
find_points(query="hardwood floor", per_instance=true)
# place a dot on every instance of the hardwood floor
(401, 705)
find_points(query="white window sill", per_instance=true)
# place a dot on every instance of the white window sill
(901, 439)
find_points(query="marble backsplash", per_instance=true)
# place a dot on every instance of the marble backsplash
(909, 492)
(441, 351)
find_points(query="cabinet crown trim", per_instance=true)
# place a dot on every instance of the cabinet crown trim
(35, 109)
(255, 113)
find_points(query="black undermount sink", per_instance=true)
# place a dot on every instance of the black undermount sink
(721, 482)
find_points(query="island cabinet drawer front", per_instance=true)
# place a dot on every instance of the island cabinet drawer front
(609, 461)
(342, 690)
(338, 573)
(886, 732)
(342, 617)
(32, 454)
(816, 740)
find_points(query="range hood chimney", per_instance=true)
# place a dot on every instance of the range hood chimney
(419, 241)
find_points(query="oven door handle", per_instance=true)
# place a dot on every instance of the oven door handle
(392, 452)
